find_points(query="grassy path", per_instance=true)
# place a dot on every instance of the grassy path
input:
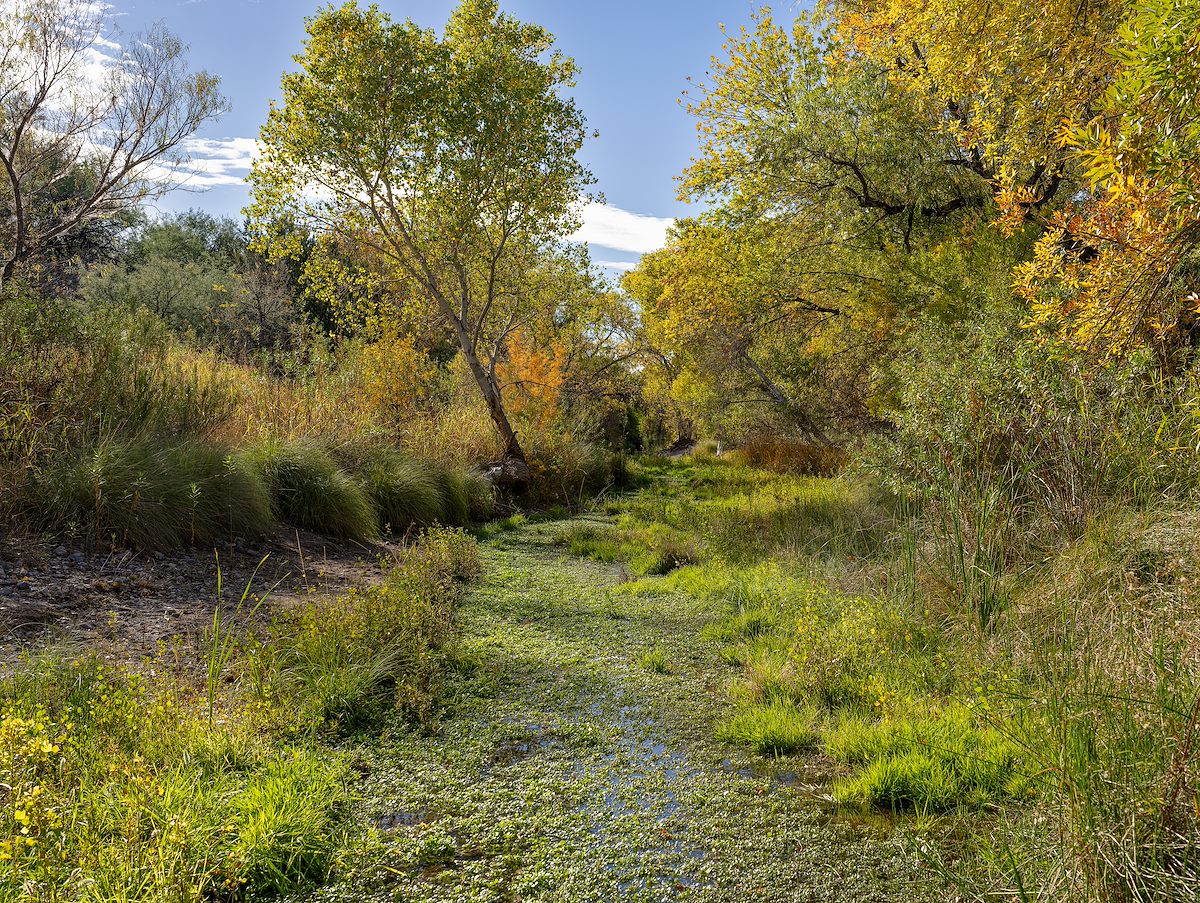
(567, 767)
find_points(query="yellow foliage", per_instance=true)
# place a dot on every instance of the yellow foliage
(1000, 77)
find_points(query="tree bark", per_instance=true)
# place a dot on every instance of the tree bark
(493, 399)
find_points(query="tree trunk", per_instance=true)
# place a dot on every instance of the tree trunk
(802, 418)
(495, 404)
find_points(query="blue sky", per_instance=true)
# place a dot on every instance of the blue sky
(635, 57)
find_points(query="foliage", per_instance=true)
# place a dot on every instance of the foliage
(461, 170)
(309, 490)
(77, 118)
(125, 781)
(1115, 271)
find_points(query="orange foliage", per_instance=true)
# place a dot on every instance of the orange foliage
(532, 377)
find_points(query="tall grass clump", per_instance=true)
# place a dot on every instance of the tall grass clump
(153, 494)
(775, 729)
(781, 455)
(481, 500)
(309, 490)
(456, 502)
(377, 651)
(405, 492)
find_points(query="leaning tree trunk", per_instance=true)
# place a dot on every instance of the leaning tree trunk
(802, 418)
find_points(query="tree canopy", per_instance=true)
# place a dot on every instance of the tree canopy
(452, 160)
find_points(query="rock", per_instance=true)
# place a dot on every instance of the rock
(159, 556)
(6, 590)
(60, 552)
(77, 557)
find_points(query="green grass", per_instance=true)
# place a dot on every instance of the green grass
(374, 653)
(404, 491)
(154, 494)
(126, 781)
(651, 550)
(775, 729)
(456, 499)
(927, 762)
(656, 660)
(309, 490)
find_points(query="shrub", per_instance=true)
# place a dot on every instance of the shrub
(152, 495)
(309, 490)
(791, 456)
(565, 471)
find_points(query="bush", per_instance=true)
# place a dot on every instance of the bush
(152, 495)
(349, 662)
(565, 471)
(309, 490)
(806, 459)
(456, 503)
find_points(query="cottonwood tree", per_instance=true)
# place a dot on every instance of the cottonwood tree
(75, 106)
(452, 160)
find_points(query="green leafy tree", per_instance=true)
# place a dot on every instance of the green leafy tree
(452, 160)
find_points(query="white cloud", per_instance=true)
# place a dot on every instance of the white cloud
(214, 162)
(621, 230)
(623, 266)
(226, 161)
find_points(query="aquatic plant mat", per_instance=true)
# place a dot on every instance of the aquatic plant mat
(575, 759)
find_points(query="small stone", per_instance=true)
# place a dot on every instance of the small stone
(76, 557)
(60, 552)
(159, 556)
(6, 590)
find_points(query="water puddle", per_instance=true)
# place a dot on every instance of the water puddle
(392, 821)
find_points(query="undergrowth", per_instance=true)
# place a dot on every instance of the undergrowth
(119, 786)
(1057, 689)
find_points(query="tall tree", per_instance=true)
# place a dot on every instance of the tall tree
(453, 159)
(68, 108)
